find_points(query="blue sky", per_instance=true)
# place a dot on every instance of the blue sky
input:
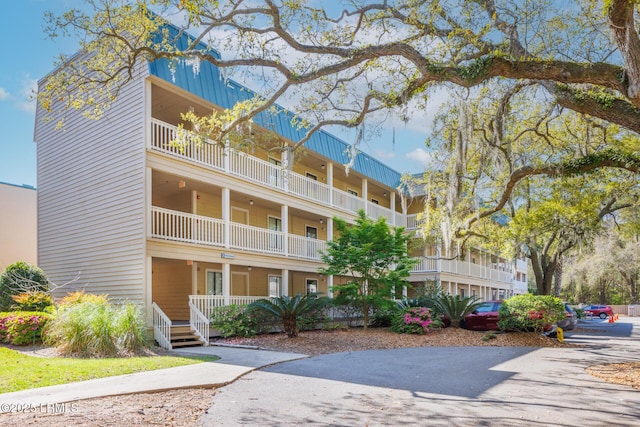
(28, 56)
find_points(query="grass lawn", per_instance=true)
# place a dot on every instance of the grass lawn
(21, 372)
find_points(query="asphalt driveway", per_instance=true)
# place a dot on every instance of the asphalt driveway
(453, 386)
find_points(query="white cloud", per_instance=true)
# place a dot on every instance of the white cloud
(383, 154)
(27, 95)
(4, 94)
(421, 156)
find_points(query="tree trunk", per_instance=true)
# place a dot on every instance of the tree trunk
(290, 324)
(557, 279)
(543, 270)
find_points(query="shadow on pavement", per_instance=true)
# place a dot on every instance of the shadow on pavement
(412, 368)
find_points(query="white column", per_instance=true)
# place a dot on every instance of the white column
(392, 205)
(194, 202)
(329, 286)
(147, 114)
(330, 181)
(194, 278)
(284, 218)
(285, 282)
(148, 290)
(330, 228)
(148, 194)
(226, 283)
(365, 195)
(226, 216)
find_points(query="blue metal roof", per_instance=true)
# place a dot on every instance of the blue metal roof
(210, 85)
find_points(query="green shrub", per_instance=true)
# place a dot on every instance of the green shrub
(288, 310)
(312, 320)
(529, 313)
(22, 327)
(33, 301)
(234, 321)
(18, 278)
(456, 307)
(97, 329)
(412, 320)
(383, 317)
(346, 302)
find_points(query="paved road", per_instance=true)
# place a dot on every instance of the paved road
(470, 386)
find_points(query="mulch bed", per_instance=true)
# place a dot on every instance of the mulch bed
(324, 342)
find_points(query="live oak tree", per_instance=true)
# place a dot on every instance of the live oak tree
(356, 62)
(353, 59)
(560, 202)
(374, 258)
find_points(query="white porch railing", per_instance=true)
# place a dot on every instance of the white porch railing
(161, 327)
(184, 227)
(206, 304)
(412, 221)
(199, 322)
(425, 264)
(308, 188)
(257, 170)
(304, 247)
(347, 201)
(206, 154)
(463, 268)
(376, 211)
(256, 239)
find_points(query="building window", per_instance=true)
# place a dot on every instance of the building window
(214, 282)
(312, 176)
(352, 192)
(312, 286)
(375, 202)
(274, 173)
(462, 293)
(275, 286)
(275, 240)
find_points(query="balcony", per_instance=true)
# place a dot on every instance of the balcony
(462, 268)
(250, 168)
(184, 227)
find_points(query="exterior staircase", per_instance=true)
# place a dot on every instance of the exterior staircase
(184, 336)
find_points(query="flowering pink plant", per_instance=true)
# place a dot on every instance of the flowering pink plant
(22, 327)
(413, 320)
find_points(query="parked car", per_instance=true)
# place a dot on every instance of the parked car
(571, 320)
(602, 311)
(483, 318)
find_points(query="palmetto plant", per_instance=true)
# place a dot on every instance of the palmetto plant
(288, 309)
(456, 307)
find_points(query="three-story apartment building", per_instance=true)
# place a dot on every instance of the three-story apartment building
(125, 212)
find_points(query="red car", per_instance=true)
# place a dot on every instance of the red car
(483, 318)
(602, 311)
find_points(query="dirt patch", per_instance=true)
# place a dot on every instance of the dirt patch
(618, 373)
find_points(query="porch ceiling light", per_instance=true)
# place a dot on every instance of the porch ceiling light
(251, 202)
(181, 184)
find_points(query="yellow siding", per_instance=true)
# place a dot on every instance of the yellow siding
(179, 202)
(172, 287)
(299, 282)
(209, 205)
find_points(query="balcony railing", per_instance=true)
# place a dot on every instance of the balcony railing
(188, 228)
(463, 268)
(184, 227)
(262, 172)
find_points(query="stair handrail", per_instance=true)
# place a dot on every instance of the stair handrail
(199, 322)
(161, 327)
